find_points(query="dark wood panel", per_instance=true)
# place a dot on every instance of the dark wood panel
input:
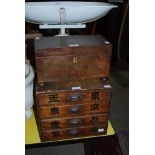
(67, 85)
(61, 123)
(110, 145)
(73, 97)
(53, 135)
(67, 41)
(79, 50)
(60, 62)
(72, 67)
(74, 110)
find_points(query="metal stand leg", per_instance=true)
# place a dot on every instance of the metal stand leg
(62, 26)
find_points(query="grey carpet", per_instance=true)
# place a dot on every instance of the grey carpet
(72, 149)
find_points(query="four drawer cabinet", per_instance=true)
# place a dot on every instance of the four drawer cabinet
(79, 108)
(72, 92)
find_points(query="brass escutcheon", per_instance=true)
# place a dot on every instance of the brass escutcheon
(74, 59)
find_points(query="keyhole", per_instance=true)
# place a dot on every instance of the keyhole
(75, 59)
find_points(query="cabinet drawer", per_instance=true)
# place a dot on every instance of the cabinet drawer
(73, 110)
(73, 97)
(69, 122)
(52, 135)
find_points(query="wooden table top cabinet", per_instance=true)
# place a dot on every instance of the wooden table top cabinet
(72, 57)
(71, 109)
(72, 93)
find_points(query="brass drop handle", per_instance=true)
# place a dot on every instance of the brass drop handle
(75, 109)
(74, 131)
(74, 97)
(75, 122)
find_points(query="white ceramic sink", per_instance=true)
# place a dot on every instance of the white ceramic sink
(72, 12)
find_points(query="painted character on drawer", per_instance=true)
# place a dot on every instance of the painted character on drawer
(53, 98)
(94, 107)
(95, 95)
(55, 124)
(54, 111)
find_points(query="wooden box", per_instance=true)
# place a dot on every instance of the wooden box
(71, 109)
(72, 57)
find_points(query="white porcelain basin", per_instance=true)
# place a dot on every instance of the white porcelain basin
(75, 12)
(29, 78)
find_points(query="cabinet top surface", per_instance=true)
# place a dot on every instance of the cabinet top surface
(70, 41)
(85, 84)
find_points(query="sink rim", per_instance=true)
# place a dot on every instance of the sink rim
(76, 12)
(69, 3)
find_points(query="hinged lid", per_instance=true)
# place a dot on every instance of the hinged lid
(47, 46)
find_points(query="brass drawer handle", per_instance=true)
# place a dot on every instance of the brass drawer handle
(75, 109)
(75, 122)
(75, 97)
(74, 131)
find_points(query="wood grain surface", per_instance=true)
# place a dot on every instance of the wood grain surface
(90, 58)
